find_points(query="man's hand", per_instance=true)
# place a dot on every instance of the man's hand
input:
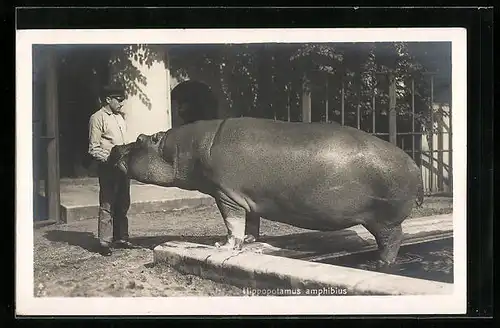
(102, 156)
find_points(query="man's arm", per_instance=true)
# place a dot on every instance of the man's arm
(95, 133)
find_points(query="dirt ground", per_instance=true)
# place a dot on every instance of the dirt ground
(66, 264)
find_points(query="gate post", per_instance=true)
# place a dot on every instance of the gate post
(306, 101)
(392, 109)
(326, 98)
(52, 186)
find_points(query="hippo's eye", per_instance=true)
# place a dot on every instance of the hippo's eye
(155, 138)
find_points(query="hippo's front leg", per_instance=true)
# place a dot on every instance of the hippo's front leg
(234, 219)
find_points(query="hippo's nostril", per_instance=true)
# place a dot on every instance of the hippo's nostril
(141, 138)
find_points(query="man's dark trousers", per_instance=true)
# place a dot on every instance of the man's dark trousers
(114, 203)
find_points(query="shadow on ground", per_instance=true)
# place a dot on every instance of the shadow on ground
(314, 241)
(84, 240)
(294, 245)
(308, 242)
(88, 241)
(153, 241)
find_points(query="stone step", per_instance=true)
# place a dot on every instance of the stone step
(80, 201)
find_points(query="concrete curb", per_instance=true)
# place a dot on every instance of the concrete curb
(248, 269)
(80, 198)
(261, 271)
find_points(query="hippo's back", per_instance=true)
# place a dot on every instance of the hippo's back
(307, 166)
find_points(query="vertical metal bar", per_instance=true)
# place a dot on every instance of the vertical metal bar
(431, 144)
(413, 118)
(420, 156)
(440, 154)
(373, 113)
(326, 99)
(392, 109)
(342, 103)
(51, 110)
(440, 148)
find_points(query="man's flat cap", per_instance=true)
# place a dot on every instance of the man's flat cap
(112, 90)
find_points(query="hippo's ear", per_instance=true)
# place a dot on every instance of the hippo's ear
(156, 137)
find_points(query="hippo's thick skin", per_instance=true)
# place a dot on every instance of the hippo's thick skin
(311, 175)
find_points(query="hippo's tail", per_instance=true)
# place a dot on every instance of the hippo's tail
(420, 192)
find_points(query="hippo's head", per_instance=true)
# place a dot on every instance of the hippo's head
(144, 160)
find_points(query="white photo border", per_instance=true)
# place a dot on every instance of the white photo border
(28, 304)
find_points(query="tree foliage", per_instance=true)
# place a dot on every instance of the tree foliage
(125, 63)
(268, 80)
(116, 64)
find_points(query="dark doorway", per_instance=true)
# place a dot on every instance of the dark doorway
(82, 71)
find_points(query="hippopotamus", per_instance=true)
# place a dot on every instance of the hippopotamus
(316, 176)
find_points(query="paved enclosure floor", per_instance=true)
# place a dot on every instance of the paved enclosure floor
(85, 191)
(65, 262)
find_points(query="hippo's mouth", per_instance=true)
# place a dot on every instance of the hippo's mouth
(122, 166)
(118, 156)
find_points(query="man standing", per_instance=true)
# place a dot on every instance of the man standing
(107, 128)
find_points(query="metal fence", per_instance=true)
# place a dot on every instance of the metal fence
(403, 115)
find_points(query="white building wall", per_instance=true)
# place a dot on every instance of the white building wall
(139, 116)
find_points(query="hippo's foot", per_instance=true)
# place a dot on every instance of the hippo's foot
(386, 267)
(249, 239)
(232, 243)
(389, 238)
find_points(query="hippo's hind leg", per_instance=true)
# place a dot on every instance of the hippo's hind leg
(389, 236)
(252, 227)
(234, 219)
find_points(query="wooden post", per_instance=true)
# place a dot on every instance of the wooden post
(288, 103)
(373, 113)
(166, 62)
(37, 213)
(358, 106)
(52, 120)
(326, 99)
(36, 135)
(392, 110)
(306, 102)
(342, 109)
